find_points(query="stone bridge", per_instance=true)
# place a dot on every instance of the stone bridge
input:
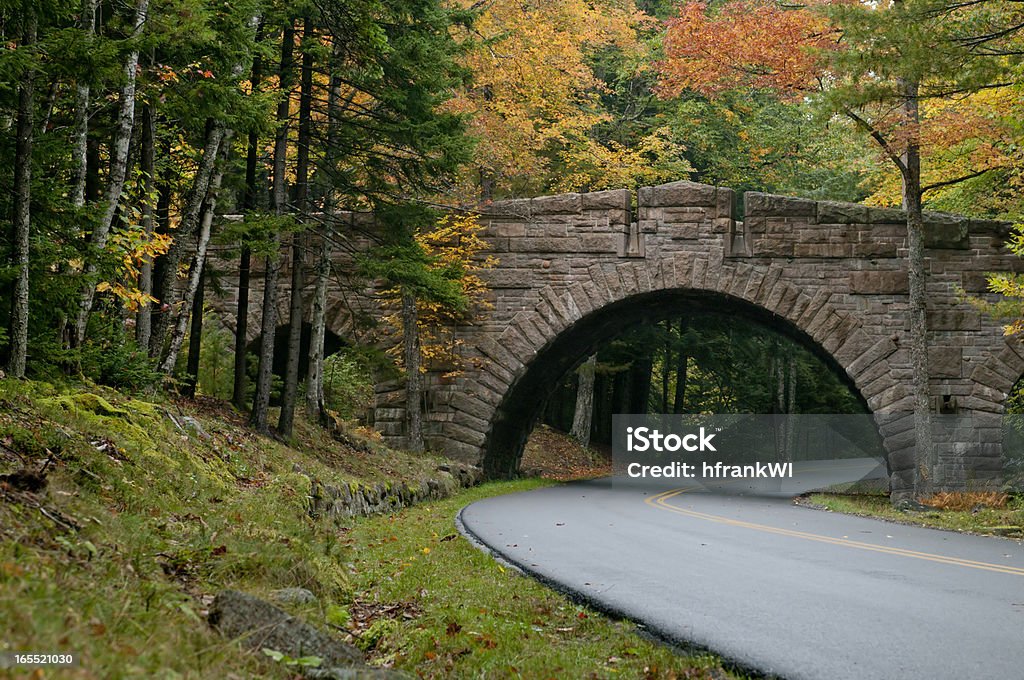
(575, 270)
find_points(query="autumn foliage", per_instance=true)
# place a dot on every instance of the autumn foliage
(745, 44)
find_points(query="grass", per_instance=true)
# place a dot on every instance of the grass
(141, 522)
(973, 513)
(473, 618)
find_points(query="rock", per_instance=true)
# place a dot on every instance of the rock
(356, 673)
(260, 625)
(192, 424)
(293, 595)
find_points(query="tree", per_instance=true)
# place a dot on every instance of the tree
(268, 328)
(118, 168)
(584, 410)
(22, 206)
(878, 65)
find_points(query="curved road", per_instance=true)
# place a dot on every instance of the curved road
(771, 586)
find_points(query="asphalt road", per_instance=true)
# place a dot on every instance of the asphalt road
(786, 590)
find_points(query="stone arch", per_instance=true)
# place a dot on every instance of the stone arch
(492, 407)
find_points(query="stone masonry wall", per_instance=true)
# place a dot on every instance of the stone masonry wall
(573, 268)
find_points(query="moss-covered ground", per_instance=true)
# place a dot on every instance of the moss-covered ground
(120, 518)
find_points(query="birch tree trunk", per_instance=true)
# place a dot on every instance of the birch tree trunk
(583, 417)
(195, 273)
(315, 408)
(80, 145)
(190, 222)
(195, 338)
(22, 210)
(118, 172)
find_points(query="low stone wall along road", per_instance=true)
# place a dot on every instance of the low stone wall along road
(782, 589)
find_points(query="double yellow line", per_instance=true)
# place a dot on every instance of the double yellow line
(662, 501)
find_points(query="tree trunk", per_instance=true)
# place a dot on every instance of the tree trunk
(195, 273)
(268, 326)
(80, 145)
(315, 408)
(790, 407)
(147, 161)
(295, 313)
(289, 393)
(583, 417)
(666, 365)
(118, 173)
(195, 338)
(245, 259)
(158, 317)
(191, 220)
(640, 384)
(682, 369)
(413, 384)
(925, 468)
(22, 210)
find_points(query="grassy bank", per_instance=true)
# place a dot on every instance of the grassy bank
(988, 514)
(458, 613)
(120, 518)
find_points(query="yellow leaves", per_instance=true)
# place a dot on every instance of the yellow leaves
(132, 297)
(454, 244)
(654, 159)
(132, 245)
(532, 84)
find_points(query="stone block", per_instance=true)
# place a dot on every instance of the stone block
(770, 205)
(562, 315)
(562, 204)
(834, 212)
(466, 435)
(945, 362)
(614, 199)
(679, 194)
(770, 247)
(887, 216)
(599, 243)
(953, 320)
(542, 244)
(518, 207)
(499, 277)
(944, 231)
(879, 282)
(461, 401)
(997, 228)
(873, 250)
(725, 203)
(630, 286)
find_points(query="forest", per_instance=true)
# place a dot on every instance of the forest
(161, 460)
(133, 128)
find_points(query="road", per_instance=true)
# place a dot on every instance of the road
(785, 590)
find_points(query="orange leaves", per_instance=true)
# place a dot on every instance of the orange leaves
(747, 44)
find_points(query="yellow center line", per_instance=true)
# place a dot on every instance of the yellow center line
(662, 501)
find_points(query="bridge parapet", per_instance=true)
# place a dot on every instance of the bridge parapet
(575, 269)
